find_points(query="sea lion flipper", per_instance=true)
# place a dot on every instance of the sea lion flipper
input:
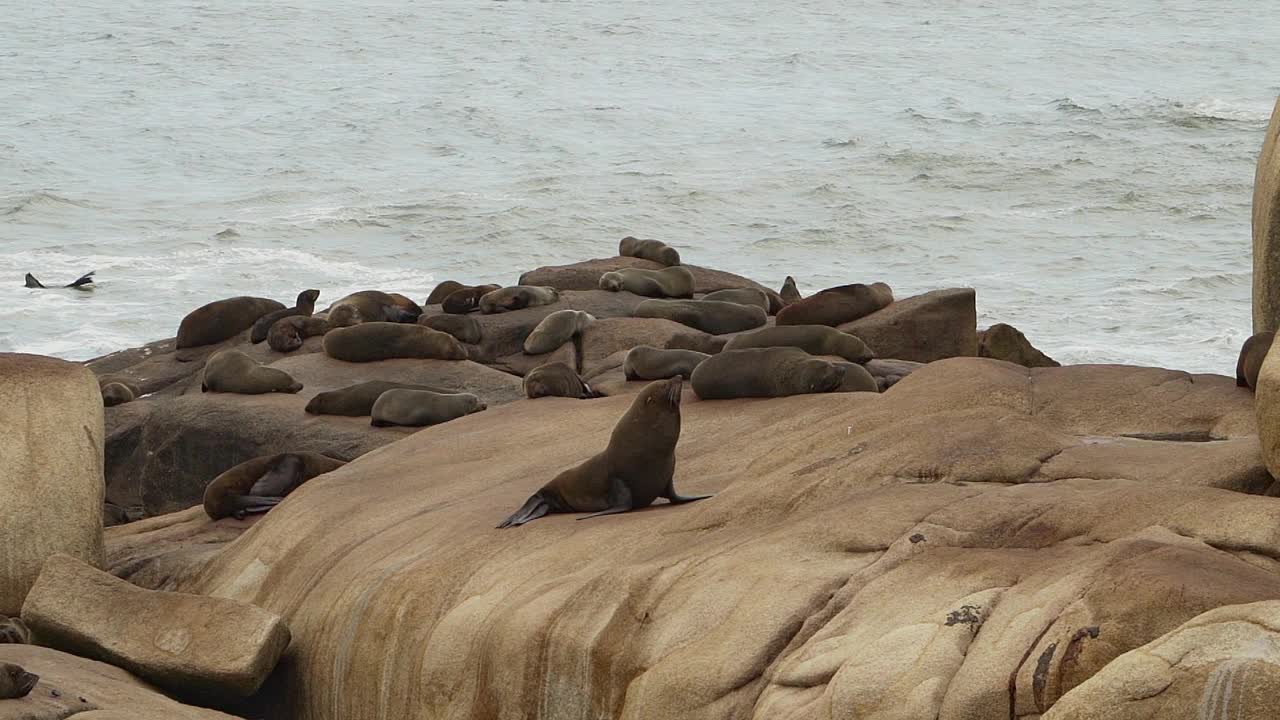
(252, 504)
(32, 282)
(611, 511)
(675, 499)
(535, 507)
(619, 498)
(85, 279)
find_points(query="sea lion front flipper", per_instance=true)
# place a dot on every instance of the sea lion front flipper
(252, 504)
(675, 498)
(83, 280)
(619, 498)
(32, 282)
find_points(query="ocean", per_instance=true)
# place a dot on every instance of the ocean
(1087, 166)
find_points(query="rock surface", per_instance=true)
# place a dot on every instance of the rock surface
(1266, 231)
(1006, 342)
(933, 326)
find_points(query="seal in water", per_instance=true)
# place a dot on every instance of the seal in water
(420, 408)
(764, 372)
(645, 362)
(654, 250)
(556, 379)
(671, 282)
(357, 400)
(257, 485)
(372, 341)
(84, 282)
(517, 297)
(15, 682)
(813, 339)
(555, 330)
(304, 305)
(231, 371)
(222, 320)
(1252, 353)
(461, 302)
(636, 468)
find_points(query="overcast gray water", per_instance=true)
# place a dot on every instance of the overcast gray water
(1087, 166)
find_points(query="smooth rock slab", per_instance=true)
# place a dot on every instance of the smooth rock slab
(1266, 230)
(192, 645)
(933, 326)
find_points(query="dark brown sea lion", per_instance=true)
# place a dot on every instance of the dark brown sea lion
(741, 296)
(372, 306)
(645, 362)
(231, 371)
(14, 632)
(654, 250)
(15, 682)
(222, 320)
(555, 330)
(636, 468)
(517, 297)
(790, 294)
(1252, 353)
(287, 334)
(442, 291)
(410, 310)
(304, 305)
(118, 391)
(837, 305)
(371, 341)
(708, 316)
(84, 282)
(556, 380)
(422, 408)
(764, 372)
(857, 379)
(357, 400)
(700, 342)
(671, 282)
(463, 327)
(257, 485)
(461, 302)
(813, 339)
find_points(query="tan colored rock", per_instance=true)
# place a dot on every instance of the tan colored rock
(520, 364)
(1005, 342)
(51, 477)
(1266, 231)
(933, 326)
(1267, 404)
(604, 338)
(194, 646)
(163, 553)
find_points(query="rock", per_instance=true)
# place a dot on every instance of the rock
(1234, 464)
(604, 338)
(586, 276)
(1266, 231)
(50, 469)
(1267, 404)
(520, 364)
(1005, 342)
(86, 689)
(162, 553)
(319, 373)
(198, 647)
(924, 328)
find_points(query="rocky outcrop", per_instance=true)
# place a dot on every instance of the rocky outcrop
(935, 325)
(1266, 231)
(586, 276)
(605, 338)
(200, 647)
(51, 439)
(163, 553)
(1006, 342)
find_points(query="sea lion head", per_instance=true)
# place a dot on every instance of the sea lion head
(16, 682)
(307, 298)
(821, 376)
(611, 281)
(664, 394)
(669, 256)
(344, 316)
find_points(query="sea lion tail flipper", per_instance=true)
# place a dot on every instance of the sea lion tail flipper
(32, 282)
(535, 507)
(85, 279)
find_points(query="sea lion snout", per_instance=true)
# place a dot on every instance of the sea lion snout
(16, 682)
(27, 682)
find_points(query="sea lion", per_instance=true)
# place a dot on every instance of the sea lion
(709, 316)
(701, 342)
(305, 305)
(231, 371)
(372, 341)
(764, 372)
(556, 380)
(371, 306)
(15, 682)
(442, 291)
(838, 305)
(357, 400)
(645, 362)
(287, 334)
(118, 393)
(420, 408)
(14, 632)
(463, 327)
(257, 485)
(671, 282)
(857, 379)
(555, 330)
(1252, 353)
(84, 282)
(461, 302)
(813, 339)
(410, 310)
(222, 320)
(636, 468)
(654, 250)
(790, 294)
(517, 297)
(741, 296)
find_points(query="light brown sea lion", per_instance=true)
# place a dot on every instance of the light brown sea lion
(15, 682)
(654, 250)
(372, 306)
(421, 408)
(645, 362)
(119, 392)
(671, 282)
(357, 400)
(287, 334)
(857, 379)
(741, 296)
(14, 632)
(517, 297)
(463, 327)
(700, 342)
(1252, 353)
(305, 306)
(442, 291)
(813, 339)
(257, 485)
(461, 302)
(636, 468)
(231, 371)
(222, 320)
(708, 316)
(764, 372)
(837, 305)
(556, 380)
(372, 341)
(555, 330)
(790, 293)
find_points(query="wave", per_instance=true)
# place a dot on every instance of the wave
(1199, 113)
(14, 204)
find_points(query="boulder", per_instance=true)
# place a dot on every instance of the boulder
(923, 328)
(1267, 404)
(520, 364)
(1005, 342)
(586, 276)
(604, 338)
(50, 469)
(162, 553)
(196, 647)
(1266, 231)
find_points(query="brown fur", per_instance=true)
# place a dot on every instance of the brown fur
(442, 291)
(654, 250)
(461, 302)
(368, 342)
(790, 294)
(1252, 354)
(463, 327)
(555, 330)
(304, 306)
(671, 282)
(231, 371)
(422, 408)
(14, 632)
(644, 362)
(708, 316)
(287, 335)
(16, 682)
(813, 339)
(838, 305)
(556, 379)
(517, 297)
(119, 392)
(764, 372)
(220, 495)
(741, 296)
(222, 320)
(357, 400)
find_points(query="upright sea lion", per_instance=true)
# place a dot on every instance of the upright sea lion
(84, 282)
(813, 339)
(790, 294)
(764, 372)
(461, 302)
(708, 316)
(372, 341)
(222, 320)
(14, 632)
(257, 485)
(645, 362)
(517, 297)
(636, 468)
(654, 250)
(420, 408)
(287, 334)
(15, 682)
(371, 306)
(741, 296)
(119, 392)
(442, 291)
(838, 305)
(1252, 353)
(556, 380)
(671, 282)
(555, 330)
(463, 327)
(305, 305)
(357, 400)
(231, 371)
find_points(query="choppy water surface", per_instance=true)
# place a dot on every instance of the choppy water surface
(1086, 165)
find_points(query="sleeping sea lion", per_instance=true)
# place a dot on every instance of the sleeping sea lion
(357, 400)
(709, 316)
(790, 293)
(442, 291)
(645, 362)
(371, 306)
(84, 282)
(517, 297)
(555, 330)
(231, 371)
(119, 392)
(741, 296)
(371, 341)
(838, 305)
(556, 380)
(257, 485)
(463, 327)
(654, 250)
(857, 379)
(305, 305)
(421, 408)
(764, 372)
(461, 302)
(410, 310)
(14, 632)
(813, 339)
(636, 468)
(15, 682)
(287, 334)
(671, 282)
(222, 320)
